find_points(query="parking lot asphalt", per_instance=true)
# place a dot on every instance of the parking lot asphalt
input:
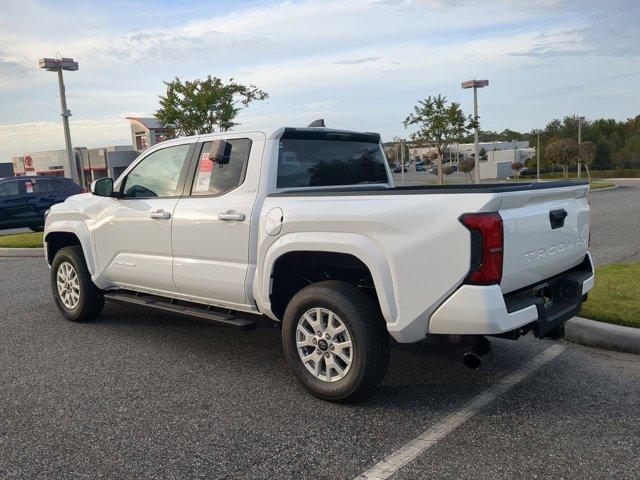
(615, 229)
(137, 394)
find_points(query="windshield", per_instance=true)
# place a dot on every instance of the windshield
(321, 162)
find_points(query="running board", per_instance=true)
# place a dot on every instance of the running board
(171, 306)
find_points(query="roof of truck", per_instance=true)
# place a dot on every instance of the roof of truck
(276, 133)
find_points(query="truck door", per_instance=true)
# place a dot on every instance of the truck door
(212, 221)
(40, 195)
(133, 231)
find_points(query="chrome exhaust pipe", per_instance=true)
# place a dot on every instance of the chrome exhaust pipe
(480, 349)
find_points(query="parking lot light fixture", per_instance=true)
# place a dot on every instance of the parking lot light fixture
(580, 122)
(476, 84)
(58, 65)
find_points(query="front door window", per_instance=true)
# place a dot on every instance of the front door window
(156, 175)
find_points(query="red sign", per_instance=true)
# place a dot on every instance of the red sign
(205, 164)
(28, 163)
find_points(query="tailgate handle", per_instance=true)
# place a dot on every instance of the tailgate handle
(556, 218)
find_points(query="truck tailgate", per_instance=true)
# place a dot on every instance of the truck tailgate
(546, 232)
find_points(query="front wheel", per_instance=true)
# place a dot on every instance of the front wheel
(335, 341)
(76, 296)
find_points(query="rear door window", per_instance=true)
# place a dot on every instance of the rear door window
(60, 187)
(329, 159)
(43, 186)
(224, 172)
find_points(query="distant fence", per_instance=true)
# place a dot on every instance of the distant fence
(618, 173)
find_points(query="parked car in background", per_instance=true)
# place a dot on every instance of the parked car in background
(421, 167)
(23, 201)
(398, 169)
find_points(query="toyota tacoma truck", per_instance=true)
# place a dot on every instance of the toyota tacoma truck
(306, 227)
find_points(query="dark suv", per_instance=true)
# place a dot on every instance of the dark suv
(23, 201)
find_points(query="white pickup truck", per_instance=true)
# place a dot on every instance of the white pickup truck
(306, 227)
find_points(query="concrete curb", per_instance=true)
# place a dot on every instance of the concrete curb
(22, 252)
(591, 190)
(603, 335)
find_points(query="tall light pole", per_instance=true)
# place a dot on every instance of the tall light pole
(580, 120)
(58, 65)
(402, 163)
(538, 157)
(476, 84)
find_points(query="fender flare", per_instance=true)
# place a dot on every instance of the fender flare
(361, 247)
(80, 230)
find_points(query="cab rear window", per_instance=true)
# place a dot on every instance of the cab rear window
(320, 159)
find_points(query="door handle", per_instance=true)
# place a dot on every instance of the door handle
(161, 214)
(231, 216)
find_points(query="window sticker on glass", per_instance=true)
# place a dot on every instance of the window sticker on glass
(204, 172)
(205, 162)
(29, 187)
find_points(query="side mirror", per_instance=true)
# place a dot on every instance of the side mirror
(220, 152)
(103, 187)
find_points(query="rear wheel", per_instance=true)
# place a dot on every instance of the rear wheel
(76, 296)
(335, 341)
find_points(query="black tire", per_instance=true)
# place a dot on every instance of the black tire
(370, 354)
(36, 229)
(91, 299)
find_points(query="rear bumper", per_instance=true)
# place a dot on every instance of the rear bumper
(484, 310)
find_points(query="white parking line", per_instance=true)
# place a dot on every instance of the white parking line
(433, 435)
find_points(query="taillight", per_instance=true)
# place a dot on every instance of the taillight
(487, 243)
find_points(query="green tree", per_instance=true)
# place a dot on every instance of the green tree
(629, 155)
(563, 152)
(587, 152)
(516, 167)
(467, 166)
(204, 106)
(439, 124)
(448, 171)
(391, 152)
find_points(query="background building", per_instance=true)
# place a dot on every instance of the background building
(105, 161)
(495, 163)
(466, 150)
(146, 132)
(95, 163)
(48, 162)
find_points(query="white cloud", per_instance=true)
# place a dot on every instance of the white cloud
(48, 135)
(362, 63)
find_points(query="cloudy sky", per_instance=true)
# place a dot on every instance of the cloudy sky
(360, 64)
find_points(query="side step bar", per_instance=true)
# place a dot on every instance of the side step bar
(186, 309)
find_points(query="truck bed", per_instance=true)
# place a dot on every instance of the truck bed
(415, 236)
(424, 189)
